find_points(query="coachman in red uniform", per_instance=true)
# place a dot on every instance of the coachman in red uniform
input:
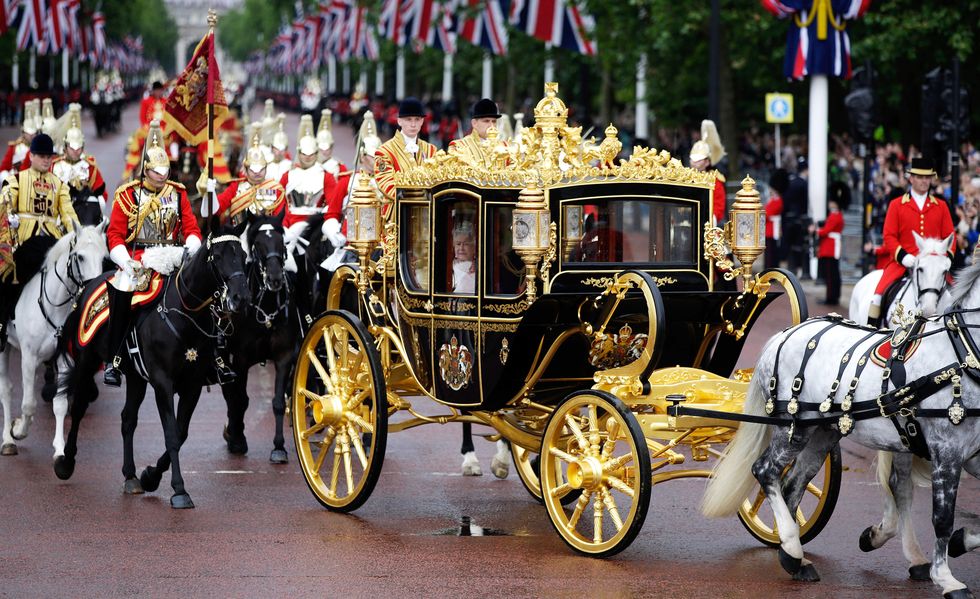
(148, 212)
(916, 210)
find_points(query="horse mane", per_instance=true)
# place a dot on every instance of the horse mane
(256, 224)
(932, 245)
(59, 249)
(964, 283)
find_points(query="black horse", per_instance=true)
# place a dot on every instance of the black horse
(268, 331)
(176, 336)
(313, 281)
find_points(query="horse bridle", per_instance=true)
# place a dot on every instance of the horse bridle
(260, 261)
(925, 290)
(220, 294)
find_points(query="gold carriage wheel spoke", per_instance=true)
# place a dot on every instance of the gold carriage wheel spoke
(561, 490)
(335, 472)
(814, 490)
(597, 511)
(358, 446)
(580, 506)
(593, 418)
(364, 424)
(344, 353)
(566, 457)
(315, 428)
(619, 485)
(310, 395)
(352, 403)
(613, 510)
(618, 462)
(324, 450)
(760, 498)
(800, 517)
(328, 345)
(583, 443)
(311, 356)
(609, 445)
(348, 470)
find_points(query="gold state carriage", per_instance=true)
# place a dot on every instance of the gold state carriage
(564, 300)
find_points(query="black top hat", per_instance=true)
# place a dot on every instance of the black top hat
(486, 108)
(922, 167)
(410, 107)
(157, 85)
(42, 145)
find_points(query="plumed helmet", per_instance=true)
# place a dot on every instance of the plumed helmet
(324, 134)
(47, 116)
(32, 116)
(255, 157)
(306, 142)
(709, 133)
(154, 155)
(279, 140)
(269, 112)
(74, 138)
(700, 150)
(368, 134)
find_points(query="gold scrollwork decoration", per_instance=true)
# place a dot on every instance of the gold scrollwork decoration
(716, 249)
(602, 282)
(455, 306)
(389, 249)
(412, 302)
(549, 258)
(518, 308)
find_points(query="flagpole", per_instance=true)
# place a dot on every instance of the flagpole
(210, 192)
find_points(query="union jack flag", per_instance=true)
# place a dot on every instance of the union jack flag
(8, 14)
(335, 35)
(435, 24)
(33, 14)
(817, 42)
(361, 40)
(559, 22)
(74, 30)
(397, 20)
(486, 26)
(98, 37)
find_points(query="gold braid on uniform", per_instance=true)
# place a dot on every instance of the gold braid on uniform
(137, 213)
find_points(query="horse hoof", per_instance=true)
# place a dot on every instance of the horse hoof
(132, 487)
(920, 573)
(789, 563)
(963, 593)
(470, 470)
(238, 447)
(17, 424)
(8, 449)
(957, 544)
(807, 573)
(181, 502)
(279, 456)
(499, 468)
(150, 479)
(64, 467)
(865, 542)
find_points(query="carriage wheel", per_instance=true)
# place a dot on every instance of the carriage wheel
(526, 463)
(340, 411)
(597, 447)
(794, 292)
(814, 512)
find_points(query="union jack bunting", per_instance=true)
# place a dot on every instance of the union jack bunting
(74, 30)
(98, 37)
(397, 20)
(8, 14)
(56, 28)
(817, 41)
(487, 26)
(559, 22)
(435, 25)
(362, 42)
(32, 15)
(335, 35)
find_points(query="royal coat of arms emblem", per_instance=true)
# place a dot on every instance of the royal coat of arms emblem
(455, 364)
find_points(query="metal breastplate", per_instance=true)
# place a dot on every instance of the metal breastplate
(160, 226)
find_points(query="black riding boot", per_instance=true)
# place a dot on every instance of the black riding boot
(119, 311)
(221, 366)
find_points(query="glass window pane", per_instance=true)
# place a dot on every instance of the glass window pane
(415, 261)
(505, 274)
(627, 230)
(457, 248)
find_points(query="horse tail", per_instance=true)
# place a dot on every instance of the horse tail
(921, 472)
(885, 459)
(731, 480)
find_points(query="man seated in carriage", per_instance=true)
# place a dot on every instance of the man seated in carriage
(35, 204)
(253, 194)
(80, 173)
(914, 211)
(307, 185)
(149, 212)
(475, 148)
(402, 150)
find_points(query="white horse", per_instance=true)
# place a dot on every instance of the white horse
(925, 284)
(946, 412)
(44, 304)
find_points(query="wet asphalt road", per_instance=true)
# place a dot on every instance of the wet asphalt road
(257, 531)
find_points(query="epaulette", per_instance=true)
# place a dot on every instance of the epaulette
(719, 176)
(126, 186)
(90, 159)
(176, 185)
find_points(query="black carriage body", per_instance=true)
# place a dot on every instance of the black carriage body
(478, 347)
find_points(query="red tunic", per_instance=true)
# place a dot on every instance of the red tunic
(719, 205)
(123, 219)
(228, 208)
(902, 218)
(774, 209)
(95, 183)
(829, 234)
(293, 216)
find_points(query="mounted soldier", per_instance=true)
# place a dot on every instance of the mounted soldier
(307, 184)
(80, 173)
(147, 213)
(705, 153)
(17, 157)
(253, 194)
(324, 144)
(37, 206)
(280, 162)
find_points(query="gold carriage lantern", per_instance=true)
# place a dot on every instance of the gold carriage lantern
(531, 226)
(363, 222)
(746, 230)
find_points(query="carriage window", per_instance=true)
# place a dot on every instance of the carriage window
(505, 269)
(457, 247)
(629, 231)
(415, 260)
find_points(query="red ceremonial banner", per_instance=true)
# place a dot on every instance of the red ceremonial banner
(199, 84)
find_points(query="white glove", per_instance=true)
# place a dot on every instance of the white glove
(331, 230)
(13, 220)
(209, 205)
(193, 243)
(908, 260)
(120, 256)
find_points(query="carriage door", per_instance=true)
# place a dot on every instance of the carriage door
(414, 286)
(455, 291)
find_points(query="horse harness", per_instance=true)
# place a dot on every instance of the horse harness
(70, 273)
(899, 404)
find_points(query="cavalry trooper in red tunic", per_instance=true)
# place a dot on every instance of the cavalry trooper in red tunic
(255, 194)
(38, 208)
(324, 145)
(80, 173)
(148, 212)
(477, 147)
(17, 157)
(307, 185)
(916, 210)
(402, 150)
(705, 153)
